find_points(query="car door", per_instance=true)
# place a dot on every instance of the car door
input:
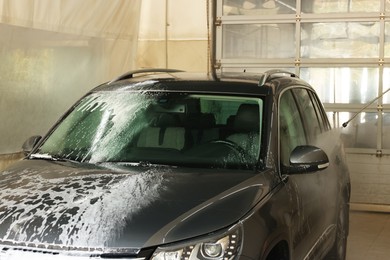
(316, 127)
(298, 127)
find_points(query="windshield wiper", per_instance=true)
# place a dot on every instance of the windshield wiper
(49, 157)
(143, 164)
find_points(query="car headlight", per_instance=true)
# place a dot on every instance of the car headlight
(225, 246)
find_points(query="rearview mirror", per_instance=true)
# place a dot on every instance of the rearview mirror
(307, 158)
(30, 143)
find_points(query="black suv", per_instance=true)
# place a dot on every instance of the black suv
(166, 165)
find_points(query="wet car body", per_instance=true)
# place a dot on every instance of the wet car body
(153, 201)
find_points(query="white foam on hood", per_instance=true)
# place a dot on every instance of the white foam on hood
(83, 210)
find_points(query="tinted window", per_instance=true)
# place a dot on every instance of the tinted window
(323, 119)
(309, 113)
(291, 127)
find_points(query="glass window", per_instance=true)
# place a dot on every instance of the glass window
(309, 113)
(272, 7)
(386, 86)
(323, 117)
(340, 6)
(343, 85)
(361, 132)
(387, 6)
(258, 7)
(291, 128)
(340, 40)
(387, 38)
(160, 128)
(386, 131)
(255, 70)
(252, 41)
(337, 119)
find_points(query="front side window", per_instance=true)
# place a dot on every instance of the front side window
(160, 128)
(291, 130)
(309, 113)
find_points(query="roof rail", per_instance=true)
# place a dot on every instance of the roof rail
(130, 74)
(265, 77)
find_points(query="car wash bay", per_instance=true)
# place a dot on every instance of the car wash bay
(340, 46)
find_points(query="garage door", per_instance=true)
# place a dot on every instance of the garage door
(340, 47)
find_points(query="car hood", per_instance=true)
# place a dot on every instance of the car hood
(119, 206)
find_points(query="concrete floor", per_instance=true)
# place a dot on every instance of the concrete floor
(369, 236)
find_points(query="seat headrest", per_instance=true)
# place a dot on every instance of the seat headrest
(167, 120)
(247, 118)
(201, 121)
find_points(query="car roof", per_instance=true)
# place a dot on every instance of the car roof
(272, 81)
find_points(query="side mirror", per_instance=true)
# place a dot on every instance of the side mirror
(30, 143)
(307, 158)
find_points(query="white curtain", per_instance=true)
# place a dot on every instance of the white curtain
(54, 51)
(173, 34)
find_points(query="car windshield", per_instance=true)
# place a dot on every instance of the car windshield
(192, 130)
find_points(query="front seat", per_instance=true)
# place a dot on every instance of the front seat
(246, 127)
(166, 133)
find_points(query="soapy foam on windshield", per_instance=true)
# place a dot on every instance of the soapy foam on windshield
(122, 110)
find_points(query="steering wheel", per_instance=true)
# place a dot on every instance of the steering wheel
(241, 153)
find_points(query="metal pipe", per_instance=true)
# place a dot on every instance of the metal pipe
(213, 39)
